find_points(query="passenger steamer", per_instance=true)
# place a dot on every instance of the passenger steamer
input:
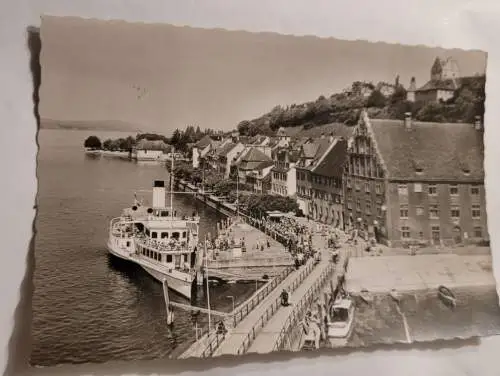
(155, 238)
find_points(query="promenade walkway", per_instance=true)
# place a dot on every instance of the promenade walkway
(269, 335)
(240, 338)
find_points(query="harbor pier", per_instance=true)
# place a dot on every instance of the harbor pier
(263, 324)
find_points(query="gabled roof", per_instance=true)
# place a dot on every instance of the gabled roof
(430, 151)
(316, 149)
(254, 159)
(448, 84)
(332, 162)
(224, 150)
(204, 142)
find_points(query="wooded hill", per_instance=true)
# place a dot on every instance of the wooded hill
(345, 107)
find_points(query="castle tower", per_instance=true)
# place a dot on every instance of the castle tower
(410, 93)
(445, 69)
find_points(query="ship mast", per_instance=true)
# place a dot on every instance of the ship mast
(208, 287)
(172, 186)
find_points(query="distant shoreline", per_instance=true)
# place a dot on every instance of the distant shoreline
(105, 125)
(88, 129)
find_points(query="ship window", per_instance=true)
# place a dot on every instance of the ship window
(164, 235)
(154, 234)
(175, 235)
(169, 258)
(185, 258)
(184, 234)
(159, 257)
(164, 213)
(128, 244)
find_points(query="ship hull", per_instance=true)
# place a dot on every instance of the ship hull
(183, 288)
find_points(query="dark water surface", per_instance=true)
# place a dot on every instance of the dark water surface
(87, 306)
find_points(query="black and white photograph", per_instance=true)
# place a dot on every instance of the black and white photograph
(206, 192)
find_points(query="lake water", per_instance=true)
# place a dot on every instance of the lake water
(88, 307)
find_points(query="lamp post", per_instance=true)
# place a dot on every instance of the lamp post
(232, 299)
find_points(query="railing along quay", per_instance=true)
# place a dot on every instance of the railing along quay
(264, 318)
(288, 334)
(242, 311)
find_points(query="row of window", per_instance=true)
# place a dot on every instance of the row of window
(165, 235)
(368, 207)
(434, 211)
(435, 233)
(432, 189)
(278, 189)
(279, 176)
(357, 186)
(153, 255)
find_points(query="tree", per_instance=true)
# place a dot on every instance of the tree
(376, 99)
(92, 142)
(106, 145)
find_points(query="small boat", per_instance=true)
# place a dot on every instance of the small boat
(447, 296)
(341, 318)
(366, 296)
(396, 296)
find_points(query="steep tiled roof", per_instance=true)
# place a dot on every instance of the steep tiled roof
(223, 151)
(333, 160)
(316, 149)
(204, 142)
(449, 84)
(255, 159)
(441, 151)
(152, 145)
(337, 129)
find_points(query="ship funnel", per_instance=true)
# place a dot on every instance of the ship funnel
(158, 194)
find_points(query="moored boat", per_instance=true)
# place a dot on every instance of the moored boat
(366, 296)
(162, 243)
(341, 319)
(447, 296)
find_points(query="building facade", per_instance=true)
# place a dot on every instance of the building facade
(411, 182)
(283, 173)
(319, 180)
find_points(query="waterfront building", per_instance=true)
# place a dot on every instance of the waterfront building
(225, 154)
(319, 172)
(201, 149)
(147, 150)
(283, 173)
(253, 168)
(416, 182)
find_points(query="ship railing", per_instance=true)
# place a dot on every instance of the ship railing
(165, 247)
(292, 329)
(263, 262)
(272, 309)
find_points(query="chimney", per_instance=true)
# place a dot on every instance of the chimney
(158, 194)
(322, 135)
(477, 122)
(408, 120)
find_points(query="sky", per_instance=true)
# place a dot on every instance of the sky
(160, 77)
